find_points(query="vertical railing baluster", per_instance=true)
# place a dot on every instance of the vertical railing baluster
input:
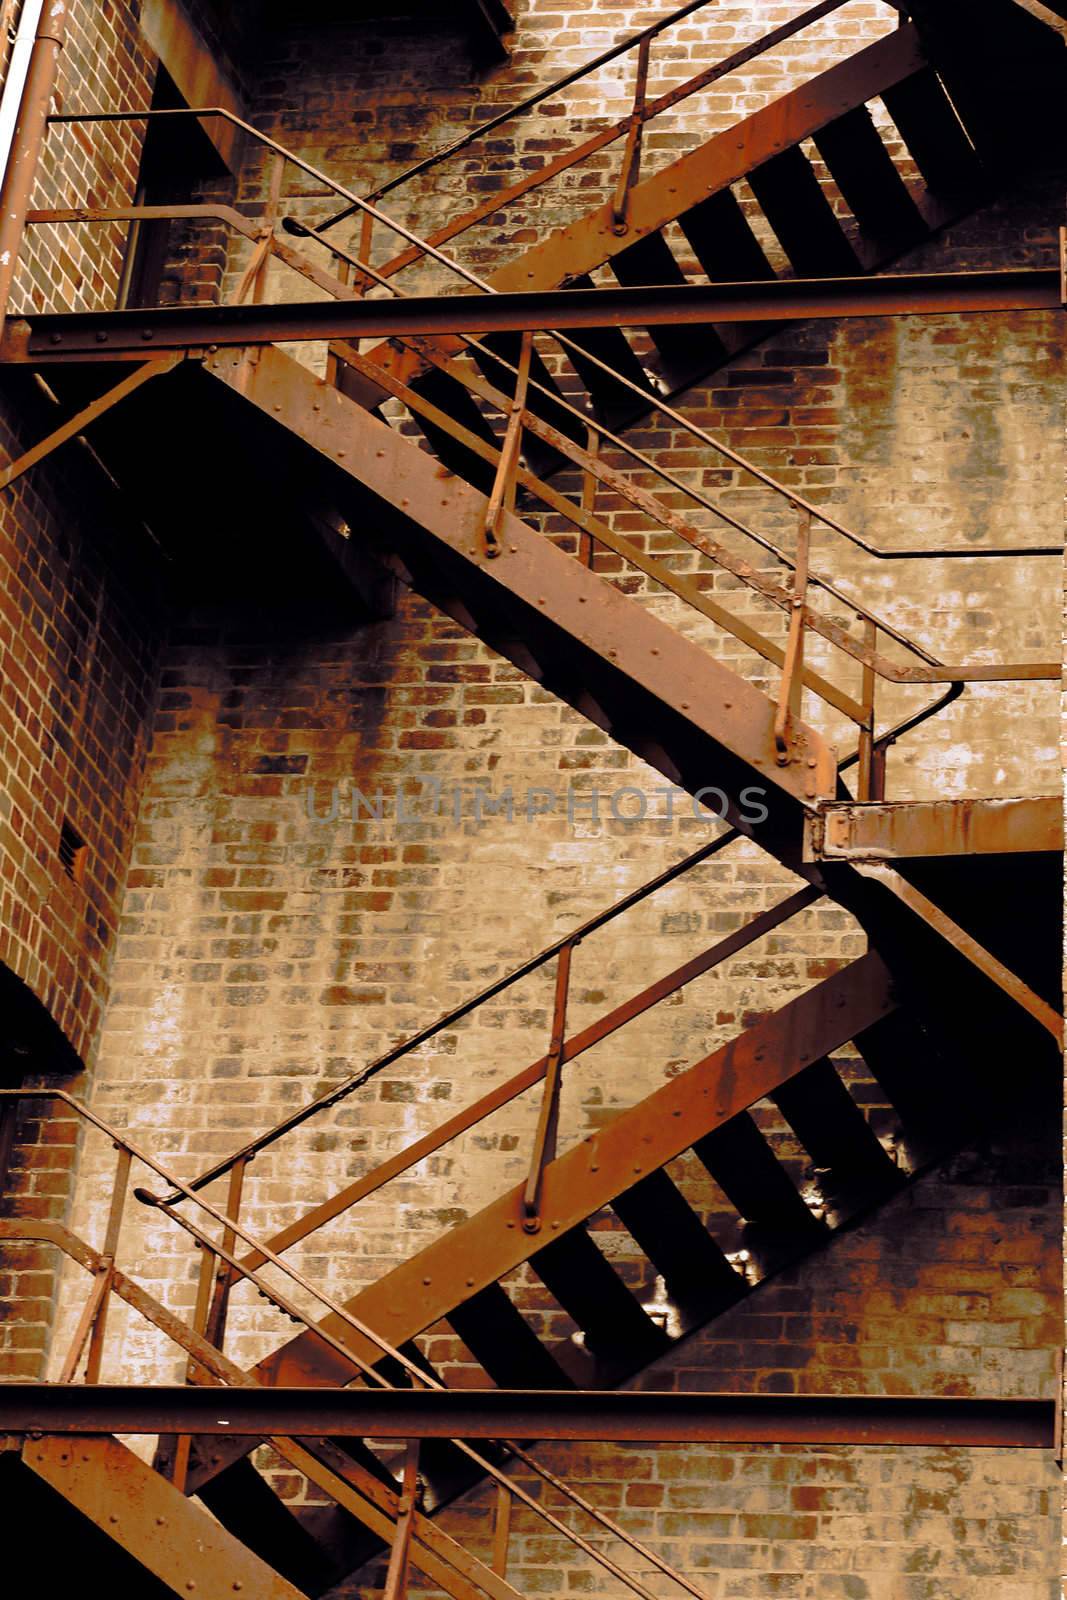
(501, 1530)
(631, 156)
(215, 1329)
(274, 197)
(111, 1245)
(205, 1279)
(86, 1323)
(590, 485)
(792, 687)
(396, 1581)
(867, 783)
(366, 241)
(544, 1149)
(502, 498)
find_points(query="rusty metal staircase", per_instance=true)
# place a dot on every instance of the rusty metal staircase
(447, 523)
(641, 1172)
(892, 185)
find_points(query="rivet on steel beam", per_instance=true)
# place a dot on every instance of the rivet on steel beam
(57, 338)
(514, 549)
(146, 333)
(685, 705)
(101, 336)
(113, 1518)
(426, 1283)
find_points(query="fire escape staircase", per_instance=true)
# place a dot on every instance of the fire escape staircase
(944, 989)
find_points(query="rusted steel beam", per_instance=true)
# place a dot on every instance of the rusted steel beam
(903, 829)
(328, 1210)
(591, 240)
(951, 931)
(86, 417)
(445, 1561)
(589, 147)
(124, 335)
(646, 1417)
(171, 1537)
(533, 581)
(490, 1244)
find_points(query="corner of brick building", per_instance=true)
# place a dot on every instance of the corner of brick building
(232, 950)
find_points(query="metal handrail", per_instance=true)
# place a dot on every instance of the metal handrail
(233, 1228)
(883, 742)
(456, 1014)
(521, 107)
(369, 209)
(599, 141)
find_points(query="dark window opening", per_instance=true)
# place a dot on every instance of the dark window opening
(73, 852)
(177, 157)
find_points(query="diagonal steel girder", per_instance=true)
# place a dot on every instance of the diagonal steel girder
(130, 335)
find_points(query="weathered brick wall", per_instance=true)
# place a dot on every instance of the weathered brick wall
(79, 634)
(266, 954)
(76, 632)
(104, 64)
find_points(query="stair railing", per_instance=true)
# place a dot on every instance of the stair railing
(787, 711)
(493, 1101)
(358, 1336)
(517, 408)
(545, 1139)
(630, 127)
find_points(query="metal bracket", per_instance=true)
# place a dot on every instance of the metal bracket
(89, 414)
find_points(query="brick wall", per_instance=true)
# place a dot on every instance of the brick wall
(266, 954)
(104, 63)
(79, 636)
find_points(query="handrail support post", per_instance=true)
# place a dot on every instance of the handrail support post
(631, 156)
(502, 498)
(870, 783)
(544, 1149)
(109, 1252)
(790, 693)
